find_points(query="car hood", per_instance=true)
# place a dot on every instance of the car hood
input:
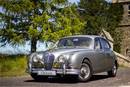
(67, 50)
(59, 51)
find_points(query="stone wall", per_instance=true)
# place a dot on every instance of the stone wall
(125, 29)
(125, 44)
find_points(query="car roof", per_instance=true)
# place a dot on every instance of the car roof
(91, 36)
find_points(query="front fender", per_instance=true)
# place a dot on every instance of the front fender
(77, 59)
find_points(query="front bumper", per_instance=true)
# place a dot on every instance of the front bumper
(58, 71)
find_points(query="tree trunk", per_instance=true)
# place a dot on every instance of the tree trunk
(33, 45)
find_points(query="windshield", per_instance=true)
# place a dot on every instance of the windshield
(75, 42)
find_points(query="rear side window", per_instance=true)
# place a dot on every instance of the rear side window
(105, 44)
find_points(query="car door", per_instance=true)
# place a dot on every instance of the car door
(108, 53)
(99, 56)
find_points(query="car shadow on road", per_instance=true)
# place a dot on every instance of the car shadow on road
(67, 80)
(99, 77)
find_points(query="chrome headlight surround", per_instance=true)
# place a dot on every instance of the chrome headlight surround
(63, 58)
(38, 58)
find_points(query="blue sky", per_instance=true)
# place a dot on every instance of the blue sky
(26, 48)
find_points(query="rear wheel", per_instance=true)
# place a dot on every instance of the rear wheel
(113, 71)
(85, 72)
(38, 78)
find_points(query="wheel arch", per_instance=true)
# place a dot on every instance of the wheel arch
(86, 59)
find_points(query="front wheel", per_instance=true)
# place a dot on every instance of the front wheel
(113, 71)
(85, 72)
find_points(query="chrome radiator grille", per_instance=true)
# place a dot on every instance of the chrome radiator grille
(48, 61)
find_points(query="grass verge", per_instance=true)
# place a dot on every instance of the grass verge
(12, 65)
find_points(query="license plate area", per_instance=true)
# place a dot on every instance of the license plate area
(47, 73)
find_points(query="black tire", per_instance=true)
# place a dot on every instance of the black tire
(85, 72)
(113, 71)
(38, 78)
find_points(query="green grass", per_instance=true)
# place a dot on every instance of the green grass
(12, 65)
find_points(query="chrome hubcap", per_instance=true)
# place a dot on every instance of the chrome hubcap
(85, 72)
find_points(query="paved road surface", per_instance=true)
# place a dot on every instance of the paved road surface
(101, 80)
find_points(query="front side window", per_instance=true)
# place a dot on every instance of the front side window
(75, 42)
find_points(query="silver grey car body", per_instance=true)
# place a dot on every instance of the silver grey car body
(80, 55)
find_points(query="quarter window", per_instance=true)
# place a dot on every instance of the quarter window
(105, 44)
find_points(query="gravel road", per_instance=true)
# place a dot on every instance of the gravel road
(99, 80)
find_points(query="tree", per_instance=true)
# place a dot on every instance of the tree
(44, 20)
(98, 15)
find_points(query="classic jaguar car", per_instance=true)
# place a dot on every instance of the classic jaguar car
(80, 56)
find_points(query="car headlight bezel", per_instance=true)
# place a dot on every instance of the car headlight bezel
(62, 58)
(37, 58)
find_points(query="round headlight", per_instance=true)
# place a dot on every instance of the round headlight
(62, 58)
(37, 58)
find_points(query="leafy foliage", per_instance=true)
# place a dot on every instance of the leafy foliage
(98, 15)
(45, 20)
